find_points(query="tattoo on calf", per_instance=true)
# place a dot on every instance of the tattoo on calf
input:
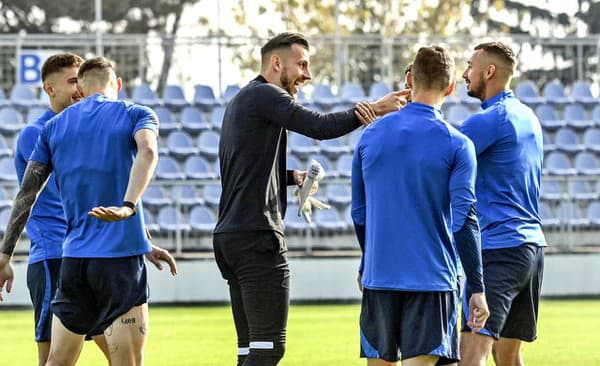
(113, 348)
(109, 331)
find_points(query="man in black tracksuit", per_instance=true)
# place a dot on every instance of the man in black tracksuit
(248, 239)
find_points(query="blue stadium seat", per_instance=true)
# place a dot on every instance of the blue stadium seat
(378, 90)
(174, 98)
(301, 145)
(339, 194)
(168, 169)
(7, 170)
(571, 214)
(202, 220)
(581, 191)
(334, 147)
(6, 201)
(348, 218)
(142, 94)
(352, 93)
(170, 220)
(4, 215)
(23, 96)
(193, 121)
(464, 97)
(526, 92)
(166, 121)
(154, 198)
(34, 113)
(329, 221)
(550, 220)
(293, 163)
(548, 117)
(150, 224)
(208, 143)
(4, 149)
(344, 166)
(186, 196)
(323, 97)
(295, 224)
(457, 114)
(11, 121)
(180, 144)
(591, 139)
(217, 168)
(548, 141)
(554, 92)
(44, 99)
(593, 214)
(581, 93)
(596, 115)
(302, 99)
(204, 97)
(326, 164)
(566, 140)
(557, 163)
(586, 163)
(230, 92)
(3, 100)
(196, 167)
(551, 191)
(212, 194)
(216, 118)
(123, 95)
(354, 137)
(575, 117)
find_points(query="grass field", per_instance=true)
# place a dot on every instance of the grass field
(569, 334)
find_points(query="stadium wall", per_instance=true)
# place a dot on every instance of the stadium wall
(323, 279)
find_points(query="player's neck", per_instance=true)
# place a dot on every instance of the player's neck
(494, 89)
(271, 78)
(429, 97)
(106, 91)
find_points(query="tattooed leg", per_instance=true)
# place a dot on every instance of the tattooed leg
(126, 337)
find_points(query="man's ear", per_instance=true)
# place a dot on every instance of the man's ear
(119, 84)
(276, 62)
(451, 88)
(490, 71)
(49, 89)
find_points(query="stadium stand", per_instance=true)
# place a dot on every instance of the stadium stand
(230, 92)
(352, 93)
(142, 94)
(527, 92)
(11, 121)
(174, 98)
(204, 97)
(193, 121)
(554, 92)
(196, 167)
(323, 97)
(22, 96)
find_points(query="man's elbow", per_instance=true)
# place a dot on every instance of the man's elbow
(148, 153)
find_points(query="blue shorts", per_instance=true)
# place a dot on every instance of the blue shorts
(401, 325)
(513, 282)
(93, 292)
(42, 279)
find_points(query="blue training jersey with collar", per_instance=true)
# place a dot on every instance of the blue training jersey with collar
(508, 141)
(47, 225)
(91, 149)
(413, 178)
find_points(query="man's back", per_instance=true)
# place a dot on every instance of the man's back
(508, 140)
(91, 149)
(412, 162)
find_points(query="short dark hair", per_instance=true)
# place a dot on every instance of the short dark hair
(501, 51)
(408, 69)
(59, 61)
(96, 63)
(282, 40)
(433, 68)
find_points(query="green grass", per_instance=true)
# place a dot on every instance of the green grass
(569, 333)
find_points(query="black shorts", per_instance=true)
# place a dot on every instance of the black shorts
(93, 292)
(401, 325)
(513, 281)
(42, 279)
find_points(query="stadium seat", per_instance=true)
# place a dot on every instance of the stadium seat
(586, 163)
(581, 93)
(334, 147)
(186, 196)
(551, 191)
(142, 94)
(352, 93)
(591, 139)
(216, 118)
(180, 145)
(170, 220)
(7, 170)
(301, 145)
(326, 164)
(457, 114)
(230, 92)
(464, 97)
(548, 142)
(166, 121)
(4, 149)
(378, 90)
(295, 224)
(557, 163)
(6, 201)
(566, 140)
(208, 143)
(575, 117)
(593, 214)
(293, 163)
(23, 96)
(150, 224)
(344, 166)
(4, 215)
(302, 99)
(11, 121)
(174, 98)
(204, 97)
(168, 169)
(3, 100)
(193, 121)
(348, 218)
(123, 95)
(323, 97)
(202, 220)
(596, 115)
(570, 213)
(554, 92)
(212, 194)
(217, 168)
(354, 137)
(526, 91)
(550, 220)
(196, 167)
(44, 99)
(329, 221)
(548, 117)
(154, 198)
(339, 194)
(34, 113)
(581, 191)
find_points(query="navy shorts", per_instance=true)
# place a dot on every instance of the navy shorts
(513, 281)
(42, 280)
(93, 292)
(401, 325)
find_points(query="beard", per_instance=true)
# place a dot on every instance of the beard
(287, 84)
(478, 91)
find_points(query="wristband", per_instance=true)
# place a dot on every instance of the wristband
(131, 205)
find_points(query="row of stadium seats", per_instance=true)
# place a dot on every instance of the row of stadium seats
(566, 213)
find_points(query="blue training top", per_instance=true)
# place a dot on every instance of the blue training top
(47, 225)
(408, 168)
(91, 149)
(508, 140)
